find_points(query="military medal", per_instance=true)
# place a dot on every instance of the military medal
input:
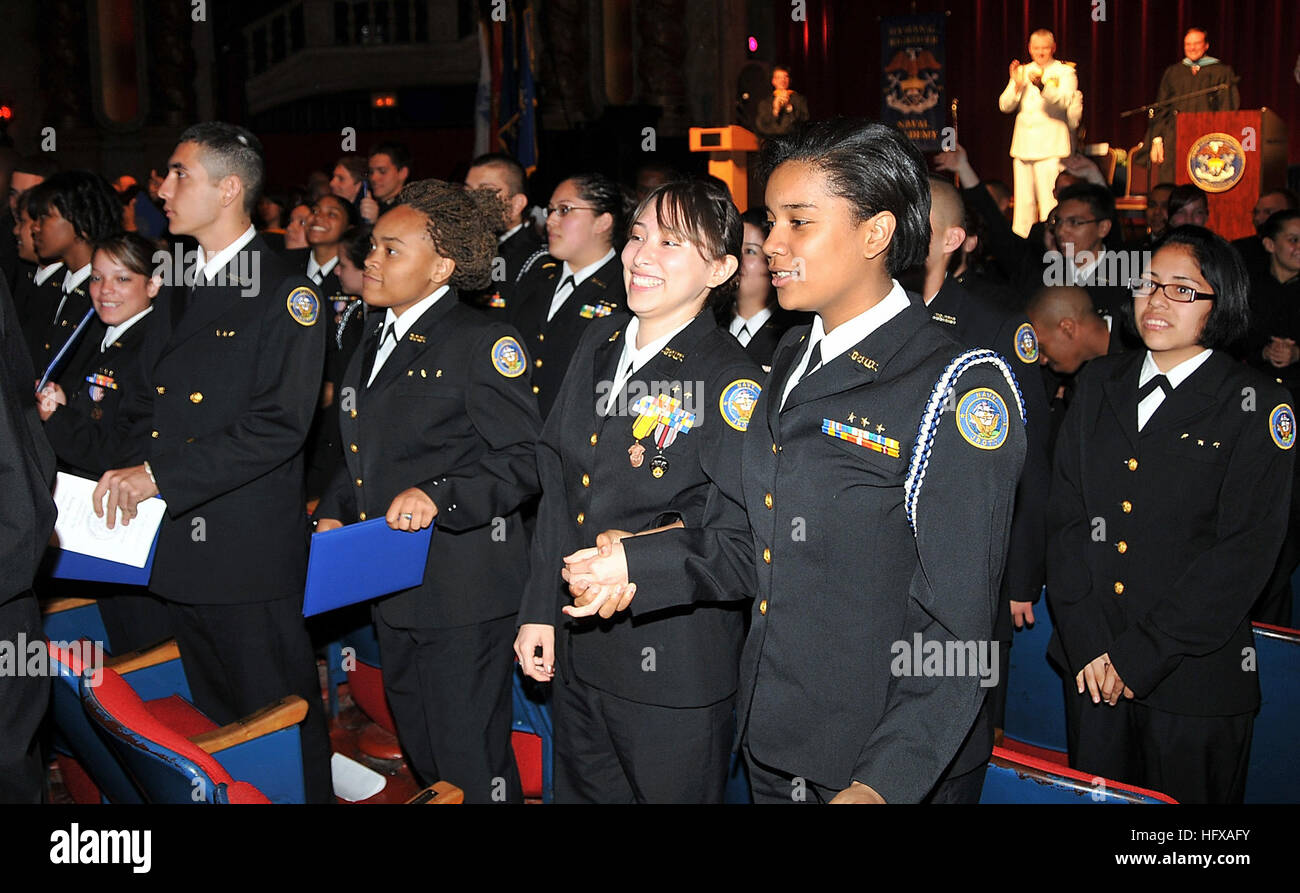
(658, 466)
(636, 454)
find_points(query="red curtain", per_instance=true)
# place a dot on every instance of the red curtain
(834, 58)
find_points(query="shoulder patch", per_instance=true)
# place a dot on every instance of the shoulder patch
(982, 418)
(508, 357)
(1027, 343)
(303, 306)
(737, 402)
(1281, 426)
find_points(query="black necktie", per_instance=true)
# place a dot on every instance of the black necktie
(1158, 381)
(814, 360)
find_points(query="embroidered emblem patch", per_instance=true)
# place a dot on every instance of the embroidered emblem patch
(1281, 425)
(982, 418)
(737, 402)
(508, 357)
(303, 306)
(1027, 343)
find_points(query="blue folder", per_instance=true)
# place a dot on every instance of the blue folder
(359, 562)
(66, 565)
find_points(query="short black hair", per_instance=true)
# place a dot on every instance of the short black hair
(516, 176)
(699, 211)
(355, 243)
(82, 198)
(39, 165)
(606, 197)
(875, 168)
(1273, 225)
(1098, 198)
(755, 217)
(400, 155)
(1184, 195)
(1292, 200)
(227, 149)
(1222, 267)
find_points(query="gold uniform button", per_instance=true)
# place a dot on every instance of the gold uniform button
(538, 362)
(762, 606)
(1126, 506)
(362, 516)
(586, 480)
(536, 389)
(767, 556)
(1119, 588)
(773, 449)
(767, 500)
(1132, 465)
(593, 439)
(581, 517)
(541, 337)
(1121, 547)
(196, 397)
(161, 390)
(353, 448)
(352, 413)
(153, 434)
(358, 482)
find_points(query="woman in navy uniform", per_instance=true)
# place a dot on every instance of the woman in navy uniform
(643, 443)
(755, 317)
(81, 422)
(438, 420)
(1168, 506)
(880, 473)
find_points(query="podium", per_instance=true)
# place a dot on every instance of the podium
(728, 149)
(1237, 156)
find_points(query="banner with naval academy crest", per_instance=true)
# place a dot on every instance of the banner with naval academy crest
(912, 77)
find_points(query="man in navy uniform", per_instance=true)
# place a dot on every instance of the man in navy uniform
(879, 471)
(234, 365)
(518, 245)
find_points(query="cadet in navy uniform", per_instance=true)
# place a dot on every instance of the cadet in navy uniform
(443, 424)
(978, 322)
(641, 508)
(581, 281)
(37, 291)
(756, 319)
(27, 517)
(233, 380)
(70, 212)
(518, 247)
(874, 539)
(1169, 502)
(81, 421)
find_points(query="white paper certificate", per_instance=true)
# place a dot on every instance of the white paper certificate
(78, 530)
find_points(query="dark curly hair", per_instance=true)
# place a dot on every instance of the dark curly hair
(82, 198)
(460, 225)
(873, 167)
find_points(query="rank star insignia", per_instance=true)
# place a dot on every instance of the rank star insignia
(852, 418)
(880, 429)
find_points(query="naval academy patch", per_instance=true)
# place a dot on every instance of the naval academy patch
(508, 357)
(303, 306)
(737, 402)
(1281, 425)
(1027, 343)
(982, 418)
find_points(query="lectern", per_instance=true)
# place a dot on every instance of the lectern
(1234, 156)
(728, 149)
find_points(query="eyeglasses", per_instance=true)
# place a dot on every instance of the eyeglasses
(1071, 222)
(1145, 288)
(566, 210)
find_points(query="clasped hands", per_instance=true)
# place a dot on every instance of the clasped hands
(597, 578)
(1102, 681)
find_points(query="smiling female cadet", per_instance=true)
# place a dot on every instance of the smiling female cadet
(1168, 506)
(444, 425)
(879, 472)
(643, 443)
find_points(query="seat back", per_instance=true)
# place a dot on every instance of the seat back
(70, 619)
(1035, 698)
(532, 717)
(1016, 778)
(76, 734)
(1274, 775)
(167, 767)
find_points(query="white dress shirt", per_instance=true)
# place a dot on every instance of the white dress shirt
(847, 334)
(43, 274)
(1176, 376)
(211, 268)
(633, 358)
(745, 329)
(117, 331)
(566, 288)
(401, 325)
(316, 272)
